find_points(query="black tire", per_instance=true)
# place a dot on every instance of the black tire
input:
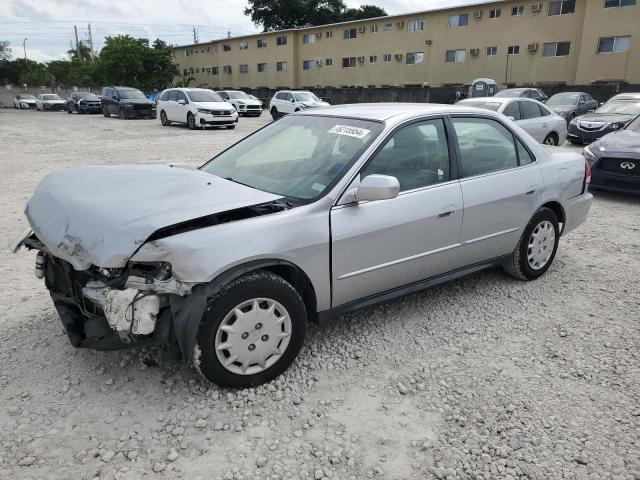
(258, 284)
(105, 112)
(122, 114)
(191, 121)
(274, 113)
(551, 139)
(69, 111)
(575, 142)
(518, 266)
(230, 127)
(163, 119)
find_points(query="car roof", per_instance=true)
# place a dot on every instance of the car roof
(383, 112)
(570, 93)
(498, 99)
(626, 96)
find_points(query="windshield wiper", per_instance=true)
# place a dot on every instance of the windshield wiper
(236, 181)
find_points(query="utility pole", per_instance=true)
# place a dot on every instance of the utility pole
(229, 33)
(24, 47)
(75, 29)
(195, 36)
(90, 41)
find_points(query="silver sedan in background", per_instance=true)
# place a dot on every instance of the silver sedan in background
(534, 117)
(315, 215)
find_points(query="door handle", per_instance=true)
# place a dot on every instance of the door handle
(448, 214)
(545, 125)
(532, 189)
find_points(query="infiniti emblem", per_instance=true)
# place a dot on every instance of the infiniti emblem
(628, 165)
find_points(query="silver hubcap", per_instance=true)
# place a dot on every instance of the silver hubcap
(550, 141)
(253, 336)
(541, 243)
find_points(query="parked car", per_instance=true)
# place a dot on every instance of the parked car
(570, 105)
(24, 100)
(535, 118)
(196, 107)
(312, 216)
(625, 96)
(290, 101)
(610, 117)
(127, 103)
(84, 102)
(244, 103)
(49, 102)
(532, 93)
(615, 159)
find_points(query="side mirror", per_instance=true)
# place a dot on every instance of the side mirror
(181, 102)
(374, 187)
(293, 100)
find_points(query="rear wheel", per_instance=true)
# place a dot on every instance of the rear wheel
(69, 110)
(537, 247)
(230, 127)
(163, 119)
(274, 113)
(551, 139)
(251, 331)
(191, 121)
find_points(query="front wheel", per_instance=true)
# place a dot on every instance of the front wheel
(537, 247)
(163, 119)
(551, 139)
(251, 331)
(274, 113)
(230, 127)
(122, 114)
(191, 121)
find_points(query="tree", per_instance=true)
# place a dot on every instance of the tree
(5, 50)
(83, 52)
(284, 14)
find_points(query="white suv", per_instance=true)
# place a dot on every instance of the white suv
(245, 104)
(197, 107)
(289, 101)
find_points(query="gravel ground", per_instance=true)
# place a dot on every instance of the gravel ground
(483, 378)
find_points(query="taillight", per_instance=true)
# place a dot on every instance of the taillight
(587, 176)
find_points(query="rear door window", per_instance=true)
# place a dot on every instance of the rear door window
(173, 96)
(529, 110)
(512, 110)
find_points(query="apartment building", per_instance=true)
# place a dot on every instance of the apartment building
(513, 42)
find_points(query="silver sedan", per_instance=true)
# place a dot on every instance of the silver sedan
(313, 216)
(543, 124)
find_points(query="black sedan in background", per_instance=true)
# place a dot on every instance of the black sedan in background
(612, 116)
(615, 160)
(570, 105)
(84, 102)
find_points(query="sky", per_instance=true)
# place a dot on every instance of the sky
(48, 25)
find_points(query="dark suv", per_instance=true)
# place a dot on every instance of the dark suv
(126, 102)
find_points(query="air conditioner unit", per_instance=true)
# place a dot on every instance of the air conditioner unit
(361, 29)
(361, 59)
(398, 57)
(474, 52)
(318, 63)
(319, 35)
(400, 24)
(536, 7)
(532, 47)
(477, 14)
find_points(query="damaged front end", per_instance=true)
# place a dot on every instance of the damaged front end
(110, 308)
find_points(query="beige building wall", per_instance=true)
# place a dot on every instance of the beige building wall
(315, 55)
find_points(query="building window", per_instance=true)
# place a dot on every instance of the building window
(491, 51)
(513, 50)
(348, 62)
(328, 62)
(328, 34)
(556, 49)
(226, 48)
(373, 28)
(350, 33)
(214, 49)
(386, 57)
(215, 70)
(244, 68)
(517, 11)
(495, 12)
(281, 40)
(373, 59)
(282, 66)
(388, 27)
(417, 25)
(309, 38)
(197, 70)
(226, 69)
(614, 44)
(262, 43)
(459, 20)
(308, 64)
(455, 56)
(244, 45)
(415, 57)
(618, 3)
(262, 67)
(562, 7)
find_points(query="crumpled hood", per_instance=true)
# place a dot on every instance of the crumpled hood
(622, 141)
(101, 214)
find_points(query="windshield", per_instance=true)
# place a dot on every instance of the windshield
(297, 157)
(635, 125)
(510, 92)
(481, 104)
(88, 96)
(204, 96)
(131, 94)
(26, 97)
(620, 108)
(568, 99)
(51, 97)
(305, 97)
(238, 95)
